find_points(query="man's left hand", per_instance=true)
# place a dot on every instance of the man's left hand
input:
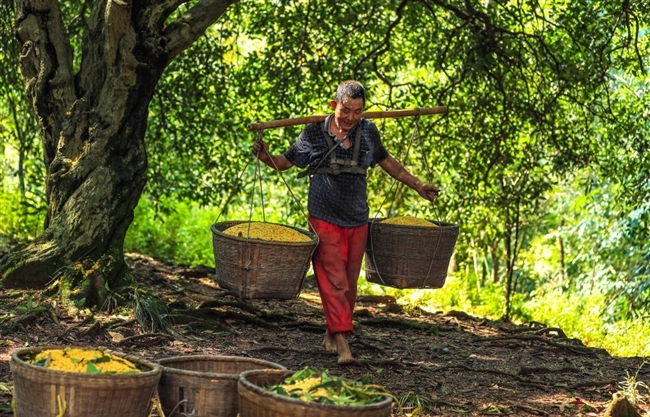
(429, 192)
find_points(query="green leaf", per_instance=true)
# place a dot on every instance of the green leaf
(92, 369)
(41, 362)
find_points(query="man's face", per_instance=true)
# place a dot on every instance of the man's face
(348, 112)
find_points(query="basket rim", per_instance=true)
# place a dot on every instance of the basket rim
(211, 358)
(439, 223)
(283, 374)
(154, 367)
(313, 236)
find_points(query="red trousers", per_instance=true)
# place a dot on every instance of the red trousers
(337, 263)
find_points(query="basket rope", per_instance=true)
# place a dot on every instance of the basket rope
(258, 176)
(414, 133)
(286, 184)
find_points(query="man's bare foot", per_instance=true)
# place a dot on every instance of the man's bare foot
(343, 349)
(329, 343)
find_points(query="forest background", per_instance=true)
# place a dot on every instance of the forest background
(541, 157)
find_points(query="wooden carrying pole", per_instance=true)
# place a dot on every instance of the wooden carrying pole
(367, 115)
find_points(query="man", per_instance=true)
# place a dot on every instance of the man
(337, 153)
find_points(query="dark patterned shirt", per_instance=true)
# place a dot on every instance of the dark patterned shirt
(338, 199)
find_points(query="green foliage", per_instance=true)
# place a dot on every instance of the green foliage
(21, 168)
(19, 219)
(582, 316)
(181, 234)
(459, 293)
(150, 311)
(602, 243)
(579, 316)
(631, 388)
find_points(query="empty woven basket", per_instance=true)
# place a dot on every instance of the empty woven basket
(409, 256)
(204, 386)
(253, 268)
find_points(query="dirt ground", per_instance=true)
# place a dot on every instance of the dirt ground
(442, 364)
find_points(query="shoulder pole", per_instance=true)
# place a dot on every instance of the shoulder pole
(368, 115)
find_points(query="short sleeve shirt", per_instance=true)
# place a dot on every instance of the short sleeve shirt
(338, 199)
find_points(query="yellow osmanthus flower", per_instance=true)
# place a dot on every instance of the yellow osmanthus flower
(62, 406)
(409, 221)
(267, 231)
(93, 361)
(311, 386)
(301, 388)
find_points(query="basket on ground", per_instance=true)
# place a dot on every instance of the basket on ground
(409, 256)
(257, 401)
(204, 386)
(42, 392)
(253, 268)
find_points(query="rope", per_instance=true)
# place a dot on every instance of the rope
(258, 173)
(430, 178)
(286, 184)
(416, 130)
(302, 207)
(232, 192)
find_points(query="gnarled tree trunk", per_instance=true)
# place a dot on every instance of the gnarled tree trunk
(93, 127)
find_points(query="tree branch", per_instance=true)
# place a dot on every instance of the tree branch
(46, 65)
(152, 16)
(192, 24)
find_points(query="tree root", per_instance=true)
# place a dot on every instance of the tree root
(582, 350)
(247, 307)
(223, 315)
(602, 383)
(527, 370)
(401, 324)
(146, 339)
(532, 410)
(304, 326)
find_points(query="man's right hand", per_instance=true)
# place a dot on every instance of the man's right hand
(261, 150)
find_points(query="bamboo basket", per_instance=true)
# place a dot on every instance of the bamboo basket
(256, 401)
(253, 268)
(42, 392)
(409, 256)
(204, 386)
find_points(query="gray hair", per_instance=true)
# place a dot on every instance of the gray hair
(352, 89)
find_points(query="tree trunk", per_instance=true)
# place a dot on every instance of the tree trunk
(509, 275)
(93, 125)
(560, 246)
(493, 251)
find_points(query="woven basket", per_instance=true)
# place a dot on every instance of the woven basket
(254, 268)
(256, 401)
(409, 256)
(42, 392)
(204, 386)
